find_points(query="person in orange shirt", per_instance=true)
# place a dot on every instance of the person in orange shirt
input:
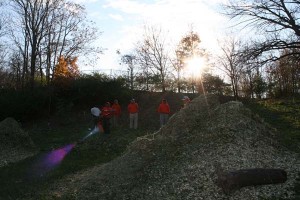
(106, 114)
(133, 110)
(164, 111)
(117, 113)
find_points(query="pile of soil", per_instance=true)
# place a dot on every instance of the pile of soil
(181, 160)
(15, 144)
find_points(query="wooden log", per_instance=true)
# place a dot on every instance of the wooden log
(231, 181)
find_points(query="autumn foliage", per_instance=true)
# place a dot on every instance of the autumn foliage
(66, 67)
(66, 70)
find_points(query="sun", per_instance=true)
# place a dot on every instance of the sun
(195, 66)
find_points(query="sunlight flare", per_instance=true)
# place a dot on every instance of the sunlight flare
(195, 66)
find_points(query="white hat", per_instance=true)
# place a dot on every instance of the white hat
(95, 111)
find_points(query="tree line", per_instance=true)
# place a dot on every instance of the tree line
(37, 35)
(41, 41)
(263, 66)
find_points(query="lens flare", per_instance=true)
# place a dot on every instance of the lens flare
(95, 130)
(49, 161)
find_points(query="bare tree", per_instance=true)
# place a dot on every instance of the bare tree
(231, 63)
(279, 19)
(178, 65)
(68, 35)
(153, 53)
(143, 61)
(3, 31)
(128, 60)
(33, 15)
(45, 30)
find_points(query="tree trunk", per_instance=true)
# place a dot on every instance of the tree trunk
(32, 67)
(231, 181)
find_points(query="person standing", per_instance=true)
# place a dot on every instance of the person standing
(97, 123)
(106, 114)
(185, 100)
(133, 110)
(117, 113)
(164, 111)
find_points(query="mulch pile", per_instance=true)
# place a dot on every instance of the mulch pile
(15, 144)
(181, 160)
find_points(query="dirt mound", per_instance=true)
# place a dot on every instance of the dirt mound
(180, 160)
(15, 144)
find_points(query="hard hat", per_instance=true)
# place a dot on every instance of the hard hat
(95, 111)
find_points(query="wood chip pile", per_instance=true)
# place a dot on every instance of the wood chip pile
(181, 160)
(15, 144)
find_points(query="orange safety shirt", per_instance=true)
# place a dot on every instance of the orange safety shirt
(106, 112)
(133, 108)
(117, 109)
(164, 108)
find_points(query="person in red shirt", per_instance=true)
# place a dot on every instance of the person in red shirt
(106, 114)
(117, 113)
(133, 110)
(164, 111)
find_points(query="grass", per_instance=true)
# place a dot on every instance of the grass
(18, 180)
(284, 115)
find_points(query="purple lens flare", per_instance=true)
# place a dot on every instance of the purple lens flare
(49, 161)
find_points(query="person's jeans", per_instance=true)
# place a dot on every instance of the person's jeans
(163, 118)
(133, 120)
(106, 125)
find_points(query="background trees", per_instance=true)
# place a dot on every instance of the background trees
(43, 40)
(43, 31)
(277, 23)
(277, 19)
(187, 50)
(152, 54)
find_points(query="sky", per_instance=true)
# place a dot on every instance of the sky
(121, 23)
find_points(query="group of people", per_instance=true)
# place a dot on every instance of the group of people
(109, 115)
(102, 118)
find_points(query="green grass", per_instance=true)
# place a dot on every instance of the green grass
(16, 180)
(284, 115)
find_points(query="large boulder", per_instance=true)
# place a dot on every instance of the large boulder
(15, 144)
